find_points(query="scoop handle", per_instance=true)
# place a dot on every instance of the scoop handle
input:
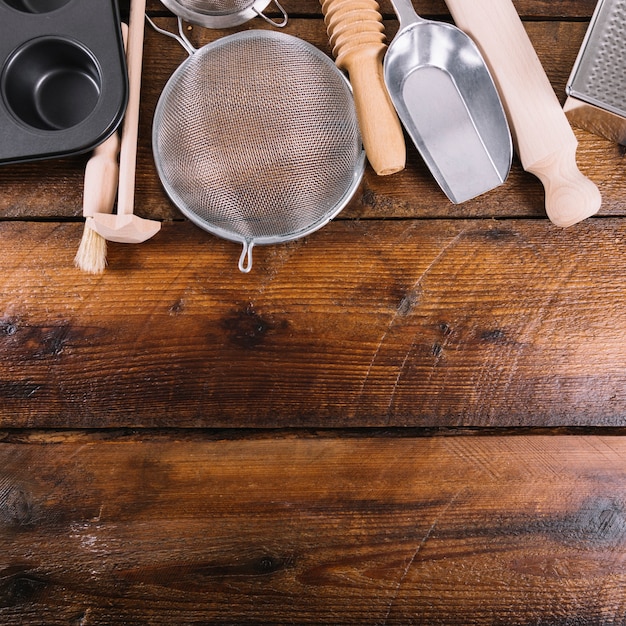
(360, 53)
(543, 137)
(406, 13)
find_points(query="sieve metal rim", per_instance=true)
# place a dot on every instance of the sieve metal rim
(217, 20)
(249, 243)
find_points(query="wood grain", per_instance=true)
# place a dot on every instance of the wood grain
(412, 416)
(365, 323)
(551, 9)
(436, 531)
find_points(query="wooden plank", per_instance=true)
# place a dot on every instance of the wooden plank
(534, 9)
(53, 189)
(364, 323)
(450, 530)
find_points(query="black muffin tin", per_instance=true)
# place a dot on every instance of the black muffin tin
(63, 80)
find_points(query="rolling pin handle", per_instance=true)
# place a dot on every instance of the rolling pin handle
(570, 196)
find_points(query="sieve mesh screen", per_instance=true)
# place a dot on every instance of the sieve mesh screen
(256, 138)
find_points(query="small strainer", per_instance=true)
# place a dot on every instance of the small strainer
(222, 13)
(256, 140)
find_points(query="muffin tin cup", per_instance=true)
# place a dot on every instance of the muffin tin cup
(63, 81)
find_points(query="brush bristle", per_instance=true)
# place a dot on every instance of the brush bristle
(91, 256)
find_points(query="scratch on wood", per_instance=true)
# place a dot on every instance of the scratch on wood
(401, 312)
(420, 546)
(396, 383)
(99, 517)
(78, 450)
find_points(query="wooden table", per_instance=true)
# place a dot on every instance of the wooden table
(414, 415)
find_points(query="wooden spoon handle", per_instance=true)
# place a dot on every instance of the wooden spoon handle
(543, 137)
(130, 128)
(359, 51)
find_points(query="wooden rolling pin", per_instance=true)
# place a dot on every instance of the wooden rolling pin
(356, 33)
(541, 132)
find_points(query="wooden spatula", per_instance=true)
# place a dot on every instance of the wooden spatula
(124, 226)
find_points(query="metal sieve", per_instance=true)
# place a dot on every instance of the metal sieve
(222, 13)
(256, 140)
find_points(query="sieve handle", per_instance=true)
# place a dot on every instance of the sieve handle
(543, 137)
(359, 51)
(245, 258)
(130, 128)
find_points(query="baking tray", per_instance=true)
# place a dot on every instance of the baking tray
(63, 80)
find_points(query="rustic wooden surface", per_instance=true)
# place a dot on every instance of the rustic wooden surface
(313, 530)
(414, 415)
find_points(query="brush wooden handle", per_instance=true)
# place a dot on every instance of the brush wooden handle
(130, 128)
(101, 176)
(359, 50)
(102, 170)
(543, 137)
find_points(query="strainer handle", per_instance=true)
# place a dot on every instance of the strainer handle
(245, 260)
(180, 38)
(269, 20)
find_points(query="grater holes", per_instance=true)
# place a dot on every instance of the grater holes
(604, 75)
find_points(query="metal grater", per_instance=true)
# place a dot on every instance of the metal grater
(596, 88)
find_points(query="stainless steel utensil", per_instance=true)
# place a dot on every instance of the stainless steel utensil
(256, 139)
(222, 13)
(448, 103)
(596, 87)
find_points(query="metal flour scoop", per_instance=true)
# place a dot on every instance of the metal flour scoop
(446, 98)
